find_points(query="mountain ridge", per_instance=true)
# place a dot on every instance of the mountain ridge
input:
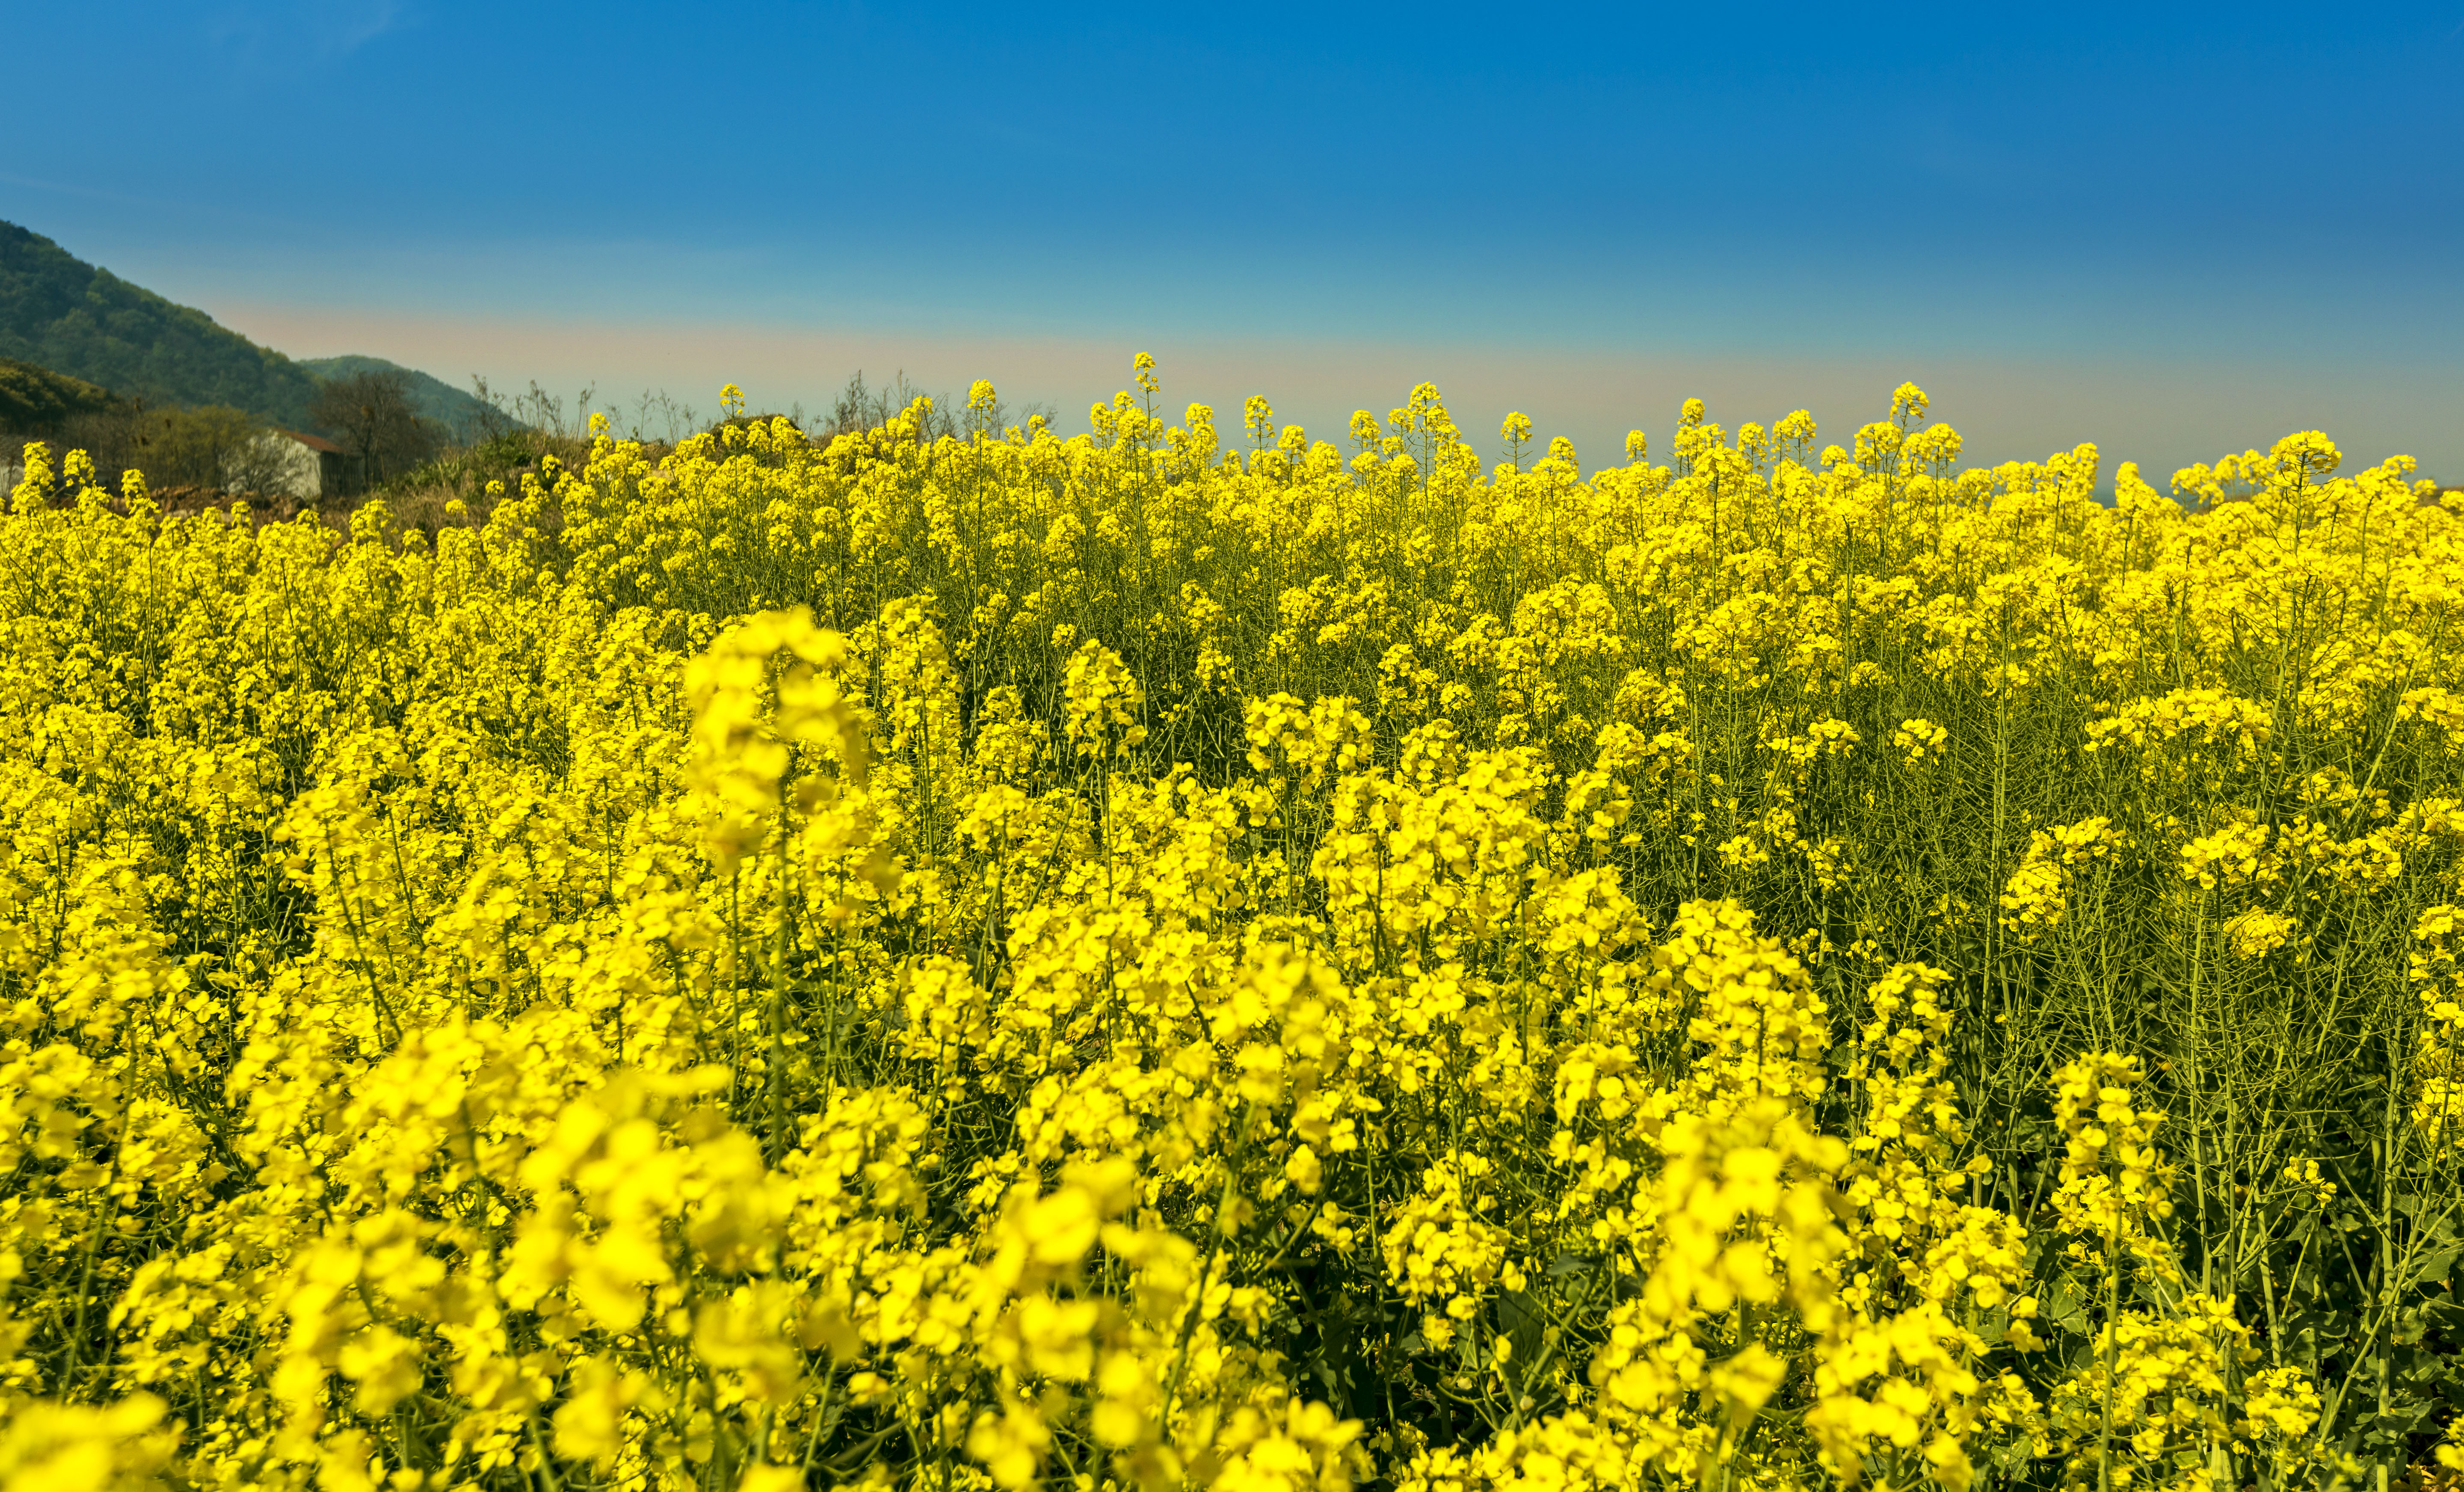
(75, 336)
(72, 318)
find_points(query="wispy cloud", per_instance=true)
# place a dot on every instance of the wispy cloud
(255, 35)
(353, 24)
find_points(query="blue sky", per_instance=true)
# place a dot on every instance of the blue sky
(2174, 230)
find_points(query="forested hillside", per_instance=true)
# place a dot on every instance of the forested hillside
(73, 317)
(35, 401)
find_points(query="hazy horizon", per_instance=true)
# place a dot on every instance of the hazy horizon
(2005, 409)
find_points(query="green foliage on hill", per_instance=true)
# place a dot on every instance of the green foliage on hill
(35, 401)
(63, 314)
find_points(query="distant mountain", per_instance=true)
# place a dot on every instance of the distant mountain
(459, 412)
(35, 401)
(62, 313)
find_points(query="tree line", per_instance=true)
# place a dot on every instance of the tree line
(370, 415)
(373, 416)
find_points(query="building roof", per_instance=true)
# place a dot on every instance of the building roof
(313, 442)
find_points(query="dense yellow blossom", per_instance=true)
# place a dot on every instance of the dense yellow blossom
(1123, 961)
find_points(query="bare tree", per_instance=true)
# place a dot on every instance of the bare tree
(373, 416)
(663, 417)
(860, 407)
(115, 439)
(489, 420)
(544, 412)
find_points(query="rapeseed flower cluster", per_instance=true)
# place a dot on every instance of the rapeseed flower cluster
(1118, 961)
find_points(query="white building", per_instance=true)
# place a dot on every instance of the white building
(304, 466)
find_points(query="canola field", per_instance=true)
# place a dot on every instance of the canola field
(1177, 957)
